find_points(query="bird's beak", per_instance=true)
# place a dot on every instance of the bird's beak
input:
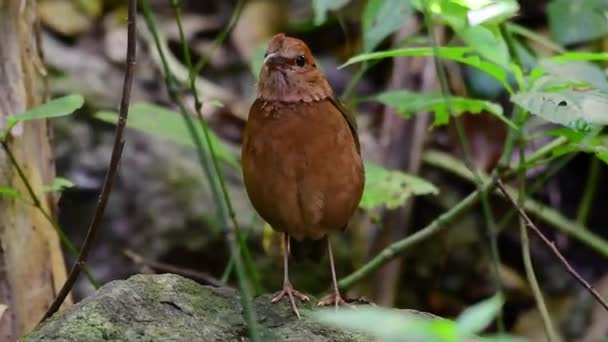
(274, 60)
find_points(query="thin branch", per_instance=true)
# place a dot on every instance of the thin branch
(36, 203)
(552, 247)
(533, 281)
(537, 186)
(541, 305)
(113, 168)
(202, 277)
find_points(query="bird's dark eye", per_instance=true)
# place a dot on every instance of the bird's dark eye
(300, 61)
(265, 54)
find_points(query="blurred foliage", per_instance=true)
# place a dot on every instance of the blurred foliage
(391, 188)
(321, 7)
(462, 55)
(390, 325)
(59, 184)
(409, 103)
(57, 107)
(164, 123)
(574, 22)
(381, 18)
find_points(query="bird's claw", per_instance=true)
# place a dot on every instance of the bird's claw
(289, 291)
(335, 300)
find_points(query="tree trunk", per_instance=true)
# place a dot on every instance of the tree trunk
(32, 267)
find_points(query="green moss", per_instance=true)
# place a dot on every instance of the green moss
(170, 307)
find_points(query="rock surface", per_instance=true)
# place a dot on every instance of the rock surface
(172, 308)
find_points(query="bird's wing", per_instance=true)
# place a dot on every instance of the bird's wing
(350, 119)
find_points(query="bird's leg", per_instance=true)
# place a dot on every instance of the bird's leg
(334, 298)
(288, 289)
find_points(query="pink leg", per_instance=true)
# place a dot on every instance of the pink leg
(334, 298)
(288, 289)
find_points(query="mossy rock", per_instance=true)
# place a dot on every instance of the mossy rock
(169, 307)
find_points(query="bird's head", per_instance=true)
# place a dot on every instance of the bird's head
(289, 73)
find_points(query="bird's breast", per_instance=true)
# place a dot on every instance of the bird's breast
(301, 167)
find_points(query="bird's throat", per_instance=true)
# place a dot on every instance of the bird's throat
(280, 85)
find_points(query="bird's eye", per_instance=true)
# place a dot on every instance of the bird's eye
(265, 54)
(300, 61)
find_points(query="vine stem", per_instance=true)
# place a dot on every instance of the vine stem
(113, 168)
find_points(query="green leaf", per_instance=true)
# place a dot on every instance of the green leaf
(321, 7)
(167, 124)
(581, 56)
(488, 42)
(603, 156)
(556, 73)
(466, 17)
(464, 55)
(572, 108)
(534, 37)
(391, 188)
(59, 184)
(409, 103)
(477, 317)
(568, 133)
(473, 4)
(56, 107)
(389, 325)
(501, 338)
(586, 142)
(381, 18)
(10, 192)
(493, 12)
(577, 21)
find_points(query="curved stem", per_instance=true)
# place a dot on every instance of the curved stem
(112, 170)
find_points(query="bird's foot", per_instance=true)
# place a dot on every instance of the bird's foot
(289, 291)
(336, 300)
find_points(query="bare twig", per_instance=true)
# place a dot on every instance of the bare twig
(551, 246)
(113, 168)
(202, 277)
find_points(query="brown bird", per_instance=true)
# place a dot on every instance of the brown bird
(301, 156)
